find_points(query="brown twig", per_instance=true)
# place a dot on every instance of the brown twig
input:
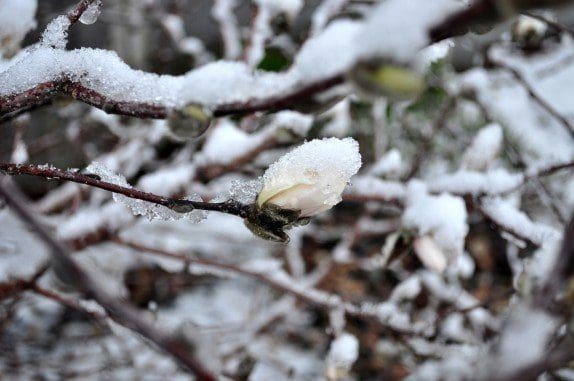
(313, 297)
(184, 206)
(118, 310)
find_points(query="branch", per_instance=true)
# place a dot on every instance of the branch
(75, 13)
(534, 95)
(181, 206)
(118, 310)
(311, 296)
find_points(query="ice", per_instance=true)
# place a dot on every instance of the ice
(91, 13)
(443, 217)
(139, 207)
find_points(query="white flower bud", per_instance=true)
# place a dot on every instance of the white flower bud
(312, 177)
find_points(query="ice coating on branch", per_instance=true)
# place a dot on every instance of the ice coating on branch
(56, 33)
(443, 217)
(140, 207)
(312, 177)
(91, 13)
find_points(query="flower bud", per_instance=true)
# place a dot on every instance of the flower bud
(312, 177)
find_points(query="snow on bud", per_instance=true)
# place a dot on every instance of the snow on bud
(312, 177)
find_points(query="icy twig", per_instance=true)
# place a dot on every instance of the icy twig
(229, 207)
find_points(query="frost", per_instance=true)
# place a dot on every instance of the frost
(312, 177)
(143, 208)
(443, 217)
(91, 13)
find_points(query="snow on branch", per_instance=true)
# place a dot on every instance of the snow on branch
(100, 78)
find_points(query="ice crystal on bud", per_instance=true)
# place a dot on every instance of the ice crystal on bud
(140, 207)
(312, 177)
(92, 13)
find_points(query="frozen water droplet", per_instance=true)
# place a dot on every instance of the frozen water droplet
(91, 13)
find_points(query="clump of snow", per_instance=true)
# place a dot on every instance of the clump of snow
(389, 165)
(312, 177)
(484, 148)
(443, 217)
(376, 189)
(343, 353)
(524, 340)
(398, 29)
(140, 207)
(506, 214)
(56, 33)
(226, 143)
(462, 182)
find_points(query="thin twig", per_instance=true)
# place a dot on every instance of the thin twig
(118, 310)
(52, 173)
(313, 297)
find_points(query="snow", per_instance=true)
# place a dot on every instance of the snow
(17, 17)
(443, 217)
(331, 52)
(140, 207)
(389, 165)
(398, 29)
(56, 33)
(524, 340)
(484, 148)
(312, 177)
(492, 182)
(506, 214)
(343, 353)
(375, 188)
(226, 143)
(222, 11)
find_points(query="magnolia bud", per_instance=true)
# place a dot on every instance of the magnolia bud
(312, 177)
